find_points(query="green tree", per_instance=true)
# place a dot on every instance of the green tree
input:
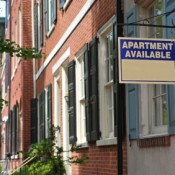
(10, 47)
(49, 157)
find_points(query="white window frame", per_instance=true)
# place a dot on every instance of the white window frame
(103, 84)
(39, 24)
(65, 117)
(19, 30)
(146, 110)
(51, 25)
(66, 4)
(20, 26)
(80, 97)
(46, 115)
(57, 107)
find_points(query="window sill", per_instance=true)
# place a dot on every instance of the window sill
(66, 4)
(154, 135)
(50, 30)
(106, 142)
(83, 145)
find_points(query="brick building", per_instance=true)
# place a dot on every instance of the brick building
(150, 107)
(17, 83)
(78, 45)
(71, 87)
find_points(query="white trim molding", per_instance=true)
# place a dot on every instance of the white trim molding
(65, 55)
(66, 35)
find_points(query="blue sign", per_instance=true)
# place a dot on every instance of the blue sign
(147, 49)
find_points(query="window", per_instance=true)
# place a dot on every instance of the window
(156, 102)
(154, 109)
(20, 27)
(7, 60)
(151, 107)
(106, 81)
(156, 9)
(38, 19)
(50, 15)
(85, 102)
(14, 131)
(80, 91)
(57, 106)
(69, 125)
(45, 113)
(34, 121)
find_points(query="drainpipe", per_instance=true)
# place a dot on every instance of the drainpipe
(33, 45)
(9, 77)
(120, 100)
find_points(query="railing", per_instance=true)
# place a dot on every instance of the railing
(21, 169)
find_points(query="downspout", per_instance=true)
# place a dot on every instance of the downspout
(120, 93)
(33, 45)
(9, 77)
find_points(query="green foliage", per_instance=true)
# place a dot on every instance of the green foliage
(0, 169)
(10, 47)
(2, 103)
(7, 46)
(49, 157)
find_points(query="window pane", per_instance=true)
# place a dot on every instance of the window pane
(110, 117)
(82, 77)
(109, 63)
(156, 10)
(160, 105)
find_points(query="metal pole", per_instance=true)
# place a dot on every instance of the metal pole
(120, 93)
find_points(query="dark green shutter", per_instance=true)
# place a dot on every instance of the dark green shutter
(42, 116)
(41, 24)
(34, 121)
(54, 11)
(46, 11)
(7, 72)
(86, 84)
(11, 131)
(133, 113)
(7, 135)
(36, 25)
(170, 33)
(61, 3)
(93, 89)
(49, 109)
(72, 102)
(16, 129)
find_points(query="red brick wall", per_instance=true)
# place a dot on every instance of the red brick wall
(22, 82)
(103, 159)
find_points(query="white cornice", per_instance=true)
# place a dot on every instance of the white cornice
(60, 61)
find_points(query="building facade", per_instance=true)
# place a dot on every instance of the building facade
(74, 83)
(150, 107)
(17, 84)
(72, 86)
